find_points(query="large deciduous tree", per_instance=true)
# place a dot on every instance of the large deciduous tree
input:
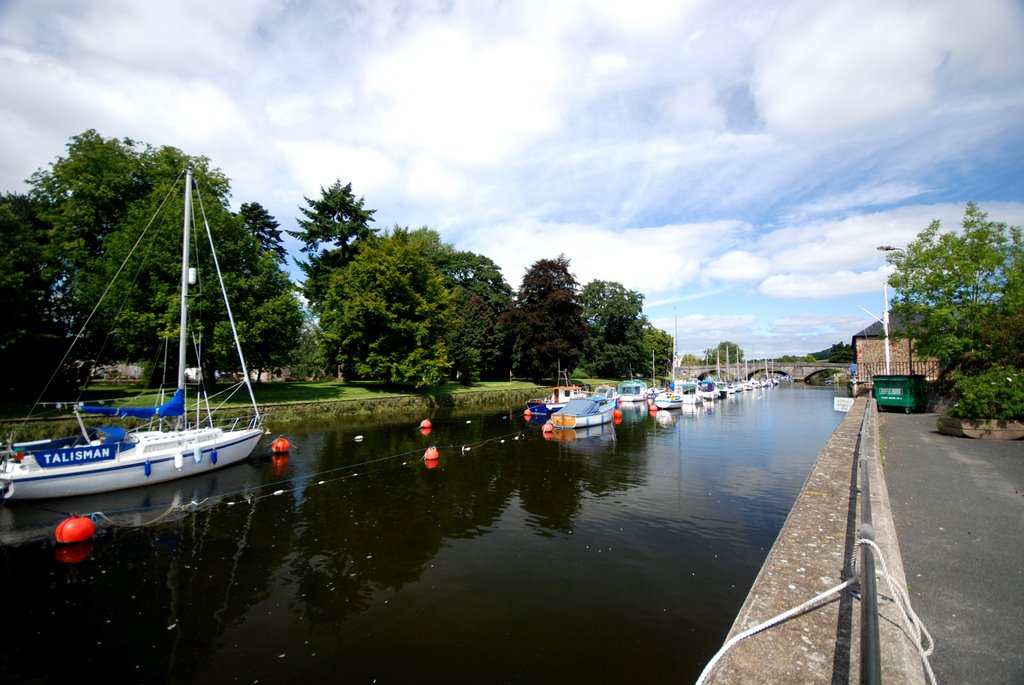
(334, 226)
(659, 346)
(385, 314)
(32, 342)
(546, 321)
(476, 342)
(615, 318)
(959, 293)
(112, 211)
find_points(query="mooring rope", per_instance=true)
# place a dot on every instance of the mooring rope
(307, 479)
(915, 627)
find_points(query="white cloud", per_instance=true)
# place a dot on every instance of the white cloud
(319, 164)
(462, 98)
(738, 266)
(823, 285)
(430, 179)
(846, 67)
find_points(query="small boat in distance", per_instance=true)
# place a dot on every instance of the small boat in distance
(684, 393)
(634, 390)
(593, 410)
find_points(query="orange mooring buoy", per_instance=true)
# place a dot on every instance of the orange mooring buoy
(617, 414)
(280, 446)
(75, 529)
(548, 427)
(425, 423)
(431, 454)
(527, 414)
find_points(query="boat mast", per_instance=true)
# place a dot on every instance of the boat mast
(675, 345)
(185, 230)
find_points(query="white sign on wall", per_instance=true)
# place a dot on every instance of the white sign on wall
(842, 403)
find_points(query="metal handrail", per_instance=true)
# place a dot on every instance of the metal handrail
(870, 652)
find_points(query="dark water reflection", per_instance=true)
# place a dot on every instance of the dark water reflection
(619, 555)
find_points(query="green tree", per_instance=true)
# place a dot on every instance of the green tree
(32, 339)
(959, 293)
(114, 210)
(272, 321)
(261, 224)
(839, 353)
(307, 361)
(385, 314)
(546, 321)
(616, 320)
(470, 336)
(78, 203)
(477, 343)
(658, 347)
(334, 226)
(725, 350)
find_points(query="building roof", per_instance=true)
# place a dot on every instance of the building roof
(875, 329)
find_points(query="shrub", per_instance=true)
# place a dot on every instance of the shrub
(997, 393)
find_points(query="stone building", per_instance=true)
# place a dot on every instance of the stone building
(869, 354)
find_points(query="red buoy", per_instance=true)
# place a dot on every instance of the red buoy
(75, 529)
(425, 423)
(280, 446)
(548, 427)
(431, 454)
(527, 414)
(617, 414)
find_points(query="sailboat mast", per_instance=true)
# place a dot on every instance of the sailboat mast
(675, 345)
(186, 227)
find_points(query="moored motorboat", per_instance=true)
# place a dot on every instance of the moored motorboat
(682, 393)
(593, 410)
(634, 390)
(560, 396)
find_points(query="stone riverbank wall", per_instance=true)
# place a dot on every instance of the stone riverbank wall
(813, 553)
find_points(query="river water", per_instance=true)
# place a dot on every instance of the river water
(621, 555)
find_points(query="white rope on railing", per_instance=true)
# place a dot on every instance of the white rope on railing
(915, 627)
(784, 616)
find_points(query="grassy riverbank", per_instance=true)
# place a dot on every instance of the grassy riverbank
(283, 402)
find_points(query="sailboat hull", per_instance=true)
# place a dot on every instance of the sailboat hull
(154, 457)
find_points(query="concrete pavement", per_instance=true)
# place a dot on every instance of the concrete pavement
(958, 509)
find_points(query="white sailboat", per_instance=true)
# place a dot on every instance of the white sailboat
(112, 458)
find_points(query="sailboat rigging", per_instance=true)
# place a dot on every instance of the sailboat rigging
(108, 458)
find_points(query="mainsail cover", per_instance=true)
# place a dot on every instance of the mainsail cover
(175, 407)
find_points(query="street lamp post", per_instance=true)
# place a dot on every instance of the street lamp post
(885, 312)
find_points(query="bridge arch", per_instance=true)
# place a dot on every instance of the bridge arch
(796, 371)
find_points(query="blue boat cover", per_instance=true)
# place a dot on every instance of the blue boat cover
(175, 407)
(582, 407)
(112, 433)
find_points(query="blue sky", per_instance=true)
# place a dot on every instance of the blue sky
(736, 163)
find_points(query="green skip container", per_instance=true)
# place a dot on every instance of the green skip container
(904, 392)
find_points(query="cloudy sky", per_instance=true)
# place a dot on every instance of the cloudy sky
(736, 163)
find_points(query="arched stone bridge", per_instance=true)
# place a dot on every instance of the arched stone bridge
(798, 371)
